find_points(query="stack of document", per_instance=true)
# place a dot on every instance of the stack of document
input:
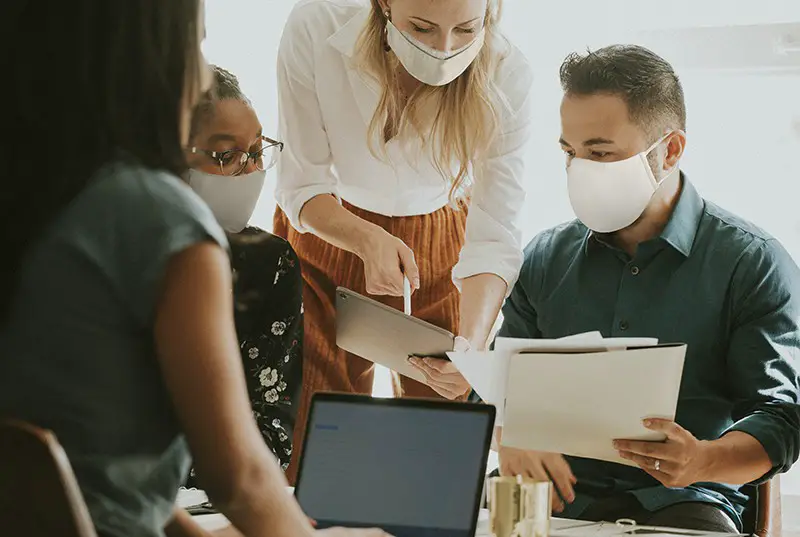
(576, 395)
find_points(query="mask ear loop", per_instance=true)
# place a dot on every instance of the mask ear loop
(661, 140)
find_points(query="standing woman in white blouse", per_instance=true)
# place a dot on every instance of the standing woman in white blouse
(405, 124)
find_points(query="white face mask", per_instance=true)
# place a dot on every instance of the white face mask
(428, 65)
(609, 196)
(232, 199)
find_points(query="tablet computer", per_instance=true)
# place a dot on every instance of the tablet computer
(386, 336)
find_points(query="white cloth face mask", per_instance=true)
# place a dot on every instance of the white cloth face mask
(609, 196)
(429, 65)
(232, 198)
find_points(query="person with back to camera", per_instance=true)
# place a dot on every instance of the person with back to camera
(116, 319)
(405, 123)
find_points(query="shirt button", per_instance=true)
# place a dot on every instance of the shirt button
(635, 270)
(623, 325)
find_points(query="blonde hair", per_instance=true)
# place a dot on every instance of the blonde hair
(466, 118)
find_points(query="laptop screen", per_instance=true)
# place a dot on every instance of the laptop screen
(413, 468)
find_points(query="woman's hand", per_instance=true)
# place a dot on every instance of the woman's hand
(387, 260)
(442, 375)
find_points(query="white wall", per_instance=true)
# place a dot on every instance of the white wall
(743, 99)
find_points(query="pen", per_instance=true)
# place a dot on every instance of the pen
(406, 296)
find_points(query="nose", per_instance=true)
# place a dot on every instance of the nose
(444, 42)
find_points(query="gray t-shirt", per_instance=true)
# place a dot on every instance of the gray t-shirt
(77, 354)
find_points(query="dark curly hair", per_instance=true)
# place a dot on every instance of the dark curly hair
(224, 86)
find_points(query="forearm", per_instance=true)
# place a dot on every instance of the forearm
(736, 459)
(183, 525)
(481, 298)
(331, 222)
(262, 506)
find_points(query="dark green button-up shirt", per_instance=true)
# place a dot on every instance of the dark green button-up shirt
(711, 280)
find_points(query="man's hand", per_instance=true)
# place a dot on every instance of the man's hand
(540, 466)
(681, 460)
(442, 376)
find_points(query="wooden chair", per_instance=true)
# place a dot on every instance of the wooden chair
(762, 517)
(39, 495)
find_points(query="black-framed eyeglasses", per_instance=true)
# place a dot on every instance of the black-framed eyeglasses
(234, 161)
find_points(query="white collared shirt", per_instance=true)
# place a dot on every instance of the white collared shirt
(325, 107)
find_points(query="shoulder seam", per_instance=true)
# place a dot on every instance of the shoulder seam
(756, 234)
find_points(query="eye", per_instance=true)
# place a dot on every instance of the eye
(420, 29)
(227, 157)
(466, 30)
(600, 154)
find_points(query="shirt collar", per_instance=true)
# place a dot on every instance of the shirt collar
(681, 228)
(346, 38)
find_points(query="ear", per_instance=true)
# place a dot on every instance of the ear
(676, 145)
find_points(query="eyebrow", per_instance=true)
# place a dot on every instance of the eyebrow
(590, 142)
(221, 138)
(426, 21)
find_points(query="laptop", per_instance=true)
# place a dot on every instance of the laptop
(412, 467)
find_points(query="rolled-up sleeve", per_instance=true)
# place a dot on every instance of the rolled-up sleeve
(304, 167)
(764, 351)
(493, 238)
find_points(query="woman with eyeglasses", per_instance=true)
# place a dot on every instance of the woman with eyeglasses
(229, 158)
(116, 319)
(405, 124)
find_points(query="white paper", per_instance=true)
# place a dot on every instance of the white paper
(190, 498)
(487, 371)
(519, 344)
(577, 404)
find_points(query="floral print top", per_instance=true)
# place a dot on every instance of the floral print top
(268, 299)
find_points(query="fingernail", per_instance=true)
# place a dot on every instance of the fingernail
(648, 423)
(616, 444)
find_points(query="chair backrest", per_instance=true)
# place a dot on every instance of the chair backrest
(39, 495)
(762, 517)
